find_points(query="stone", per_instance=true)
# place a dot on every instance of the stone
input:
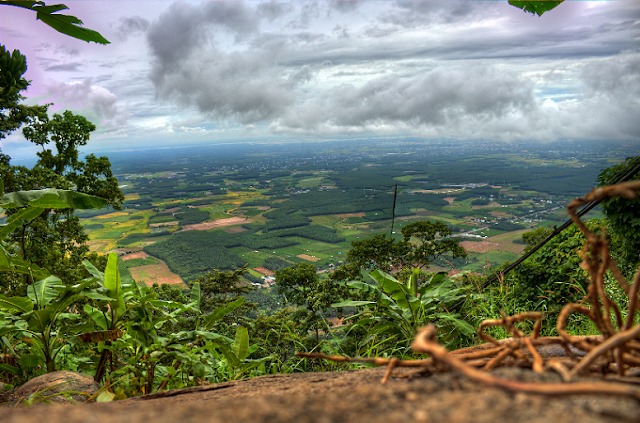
(59, 382)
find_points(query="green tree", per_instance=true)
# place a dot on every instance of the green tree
(56, 240)
(302, 287)
(427, 241)
(422, 242)
(219, 289)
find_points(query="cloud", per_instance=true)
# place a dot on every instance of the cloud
(415, 13)
(86, 96)
(345, 6)
(67, 67)
(131, 26)
(274, 9)
(434, 69)
(444, 97)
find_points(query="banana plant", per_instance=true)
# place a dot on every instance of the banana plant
(132, 308)
(235, 356)
(37, 316)
(396, 310)
(47, 301)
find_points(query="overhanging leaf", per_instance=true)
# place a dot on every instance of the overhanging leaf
(195, 296)
(51, 198)
(535, 7)
(352, 304)
(65, 24)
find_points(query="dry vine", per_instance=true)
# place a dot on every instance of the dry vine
(612, 354)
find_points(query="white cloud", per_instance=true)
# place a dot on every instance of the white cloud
(86, 96)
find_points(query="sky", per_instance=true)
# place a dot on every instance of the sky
(189, 72)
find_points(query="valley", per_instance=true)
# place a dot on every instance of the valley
(193, 210)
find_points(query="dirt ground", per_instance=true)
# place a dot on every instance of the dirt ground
(215, 224)
(341, 397)
(152, 273)
(136, 255)
(308, 257)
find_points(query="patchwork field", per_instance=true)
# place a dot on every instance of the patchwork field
(218, 223)
(155, 273)
(308, 257)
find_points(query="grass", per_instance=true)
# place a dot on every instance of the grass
(140, 262)
(310, 182)
(112, 235)
(162, 219)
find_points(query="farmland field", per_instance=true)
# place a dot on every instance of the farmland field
(286, 208)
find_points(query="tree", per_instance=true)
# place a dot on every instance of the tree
(534, 237)
(432, 242)
(219, 289)
(301, 286)
(422, 242)
(56, 240)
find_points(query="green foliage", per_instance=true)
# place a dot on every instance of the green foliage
(393, 311)
(535, 7)
(194, 253)
(480, 202)
(534, 237)
(33, 203)
(422, 242)
(38, 320)
(315, 232)
(301, 286)
(275, 263)
(623, 214)
(66, 24)
(54, 240)
(551, 277)
(191, 254)
(287, 222)
(12, 67)
(507, 226)
(219, 289)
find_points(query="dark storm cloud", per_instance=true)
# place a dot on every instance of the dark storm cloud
(131, 26)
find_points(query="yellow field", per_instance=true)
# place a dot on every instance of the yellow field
(110, 215)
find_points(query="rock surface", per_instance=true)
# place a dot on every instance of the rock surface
(58, 382)
(354, 396)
